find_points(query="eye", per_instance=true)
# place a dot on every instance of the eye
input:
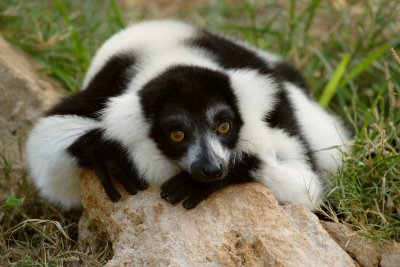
(223, 127)
(177, 136)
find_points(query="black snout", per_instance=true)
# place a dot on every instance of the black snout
(208, 167)
(212, 170)
(207, 171)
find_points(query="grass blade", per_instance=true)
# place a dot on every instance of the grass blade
(360, 68)
(310, 12)
(378, 97)
(116, 14)
(395, 55)
(332, 85)
(79, 52)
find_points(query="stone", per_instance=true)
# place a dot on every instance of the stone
(365, 252)
(241, 225)
(24, 95)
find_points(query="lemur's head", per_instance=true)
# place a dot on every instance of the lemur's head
(194, 119)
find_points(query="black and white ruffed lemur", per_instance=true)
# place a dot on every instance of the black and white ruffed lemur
(171, 105)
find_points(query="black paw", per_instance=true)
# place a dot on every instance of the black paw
(120, 171)
(108, 159)
(183, 187)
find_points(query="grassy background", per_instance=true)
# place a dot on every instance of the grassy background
(348, 51)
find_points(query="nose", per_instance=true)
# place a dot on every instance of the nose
(207, 166)
(212, 170)
(206, 171)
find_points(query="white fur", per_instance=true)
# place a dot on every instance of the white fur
(256, 95)
(52, 169)
(155, 36)
(291, 180)
(325, 133)
(192, 154)
(215, 147)
(213, 111)
(124, 121)
(285, 170)
(218, 150)
(154, 62)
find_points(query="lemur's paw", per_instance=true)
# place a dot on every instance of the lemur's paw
(108, 159)
(121, 173)
(183, 187)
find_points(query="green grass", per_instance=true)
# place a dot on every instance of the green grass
(343, 51)
(62, 35)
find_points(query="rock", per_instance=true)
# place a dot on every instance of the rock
(241, 225)
(365, 252)
(24, 95)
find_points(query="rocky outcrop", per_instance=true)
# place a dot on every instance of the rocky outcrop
(241, 225)
(365, 252)
(23, 97)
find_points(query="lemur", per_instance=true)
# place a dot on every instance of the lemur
(171, 105)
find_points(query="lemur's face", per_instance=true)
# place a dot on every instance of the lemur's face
(194, 119)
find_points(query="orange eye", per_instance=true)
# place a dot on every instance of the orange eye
(223, 127)
(177, 136)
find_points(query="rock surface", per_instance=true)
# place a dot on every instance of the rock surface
(239, 226)
(367, 253)
(23, 97)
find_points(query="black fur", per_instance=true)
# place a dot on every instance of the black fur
(108, 159)
(232, 55)
(183, 187)
(286, 72)
(187, 90)
(326, 210)
(110, 81)
(282, 116)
